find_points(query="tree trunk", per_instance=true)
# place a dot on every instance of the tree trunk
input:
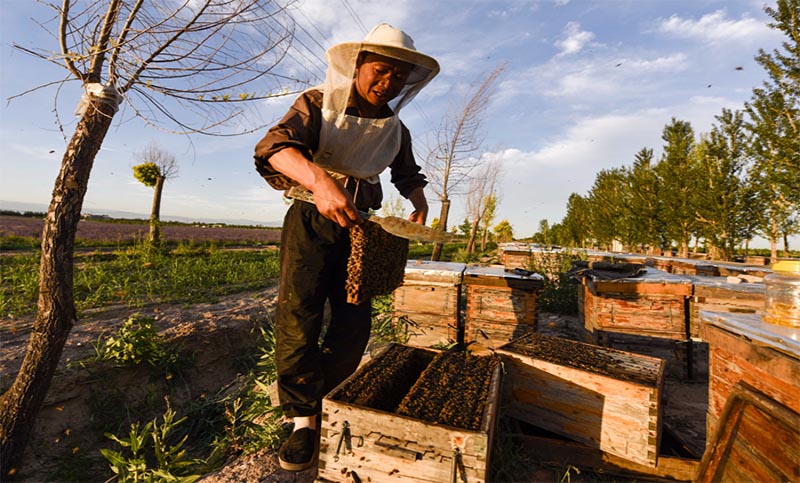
(484, 238)
(437, 247)
(473, 235)
(155, 212)
(786, 244)
(20, 404)
(773, 242)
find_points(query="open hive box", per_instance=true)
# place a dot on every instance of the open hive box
(604, 398)
(412, 414)
(427, 303)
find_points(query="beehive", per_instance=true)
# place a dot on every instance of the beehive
(604, 398)
(427, 304)
(744, 348)
(646, 314)
(362, 442)
(501, 304)
(515, 255)
(716, 294)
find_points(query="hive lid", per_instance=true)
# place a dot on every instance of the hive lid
(791, 266)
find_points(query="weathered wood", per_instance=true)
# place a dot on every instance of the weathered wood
(601, 397)
(757, 440)
(379, 446)
(717, 295)
(427, 304)
(557, 452)
(743, 348)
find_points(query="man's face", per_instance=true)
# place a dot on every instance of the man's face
(380, 79)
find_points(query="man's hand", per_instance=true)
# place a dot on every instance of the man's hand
(333, 202)
(420, 213)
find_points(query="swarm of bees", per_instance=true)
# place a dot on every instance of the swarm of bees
(453, 390)
(377, 262)
(598, 360)
(385, 381)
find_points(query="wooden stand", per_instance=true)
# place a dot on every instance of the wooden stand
(604, 398)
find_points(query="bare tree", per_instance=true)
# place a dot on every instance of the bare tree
(481, 196)
(453, 155)
(156, 166)
(189, 63)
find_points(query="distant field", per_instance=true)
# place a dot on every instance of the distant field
(97, 231)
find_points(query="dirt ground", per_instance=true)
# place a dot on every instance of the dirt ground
(222, 329)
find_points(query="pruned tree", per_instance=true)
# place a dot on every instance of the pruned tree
(481, 193)
(187, 64)
(156, 166)
(453, 155)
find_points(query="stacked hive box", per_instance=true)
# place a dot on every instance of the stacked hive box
(501, 304)
(515, 255)
(645, 314)
(427, 303)
(373, 439)
(744, 348)
(716, 294)
(604, 398)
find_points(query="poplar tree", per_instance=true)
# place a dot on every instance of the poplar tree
(721, 198)
(576, 221)
(678, 173)
(645, 202)
(609, 200)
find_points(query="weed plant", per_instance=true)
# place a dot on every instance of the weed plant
(559, 294)
(138, 342)
(141, 275)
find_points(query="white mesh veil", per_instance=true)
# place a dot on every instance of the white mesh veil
(384, 40)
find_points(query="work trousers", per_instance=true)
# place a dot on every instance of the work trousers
(314, 253)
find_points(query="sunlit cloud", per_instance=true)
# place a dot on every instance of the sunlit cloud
(573, 39)
(714, 28)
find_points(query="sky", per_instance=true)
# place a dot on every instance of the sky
(586, 85)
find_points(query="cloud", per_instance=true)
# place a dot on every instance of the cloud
(714, 28)
(573, 39)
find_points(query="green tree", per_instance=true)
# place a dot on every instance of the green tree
(721, 198)
(609, 199)
(394, 207)
(646, 209)
(774, 126)
(576, 221)
(488, 218)
(504, 232)
(679, 179)
(543, 234)
(156, 167)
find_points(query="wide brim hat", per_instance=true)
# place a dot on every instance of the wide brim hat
(388, 41)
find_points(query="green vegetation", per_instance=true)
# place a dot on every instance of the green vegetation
(559, 295)
(137, 342)
(141, 275)
(715, 190)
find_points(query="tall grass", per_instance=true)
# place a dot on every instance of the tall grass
(141, 275)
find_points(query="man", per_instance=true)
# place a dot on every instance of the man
(334, 142)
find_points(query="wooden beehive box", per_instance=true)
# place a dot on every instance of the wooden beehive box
(744, 348)
(757, 440)
(650, 304)
(501, 304)
(515, 255)
(361, 442)
(427, 304)
(716, 294)
(604, 398)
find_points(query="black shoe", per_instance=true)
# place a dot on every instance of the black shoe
(299, 451)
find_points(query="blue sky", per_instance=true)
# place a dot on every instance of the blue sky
(586, 86)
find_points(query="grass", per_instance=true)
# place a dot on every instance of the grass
(140, 275)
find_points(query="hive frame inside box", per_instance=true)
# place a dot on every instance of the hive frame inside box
(596, 409)
(385, 446)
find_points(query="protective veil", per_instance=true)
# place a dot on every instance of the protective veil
(357, 146)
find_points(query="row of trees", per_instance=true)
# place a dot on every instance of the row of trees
(722, 188)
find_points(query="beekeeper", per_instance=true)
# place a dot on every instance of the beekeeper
(334, 142)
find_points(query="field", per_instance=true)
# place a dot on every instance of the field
(111, 233)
